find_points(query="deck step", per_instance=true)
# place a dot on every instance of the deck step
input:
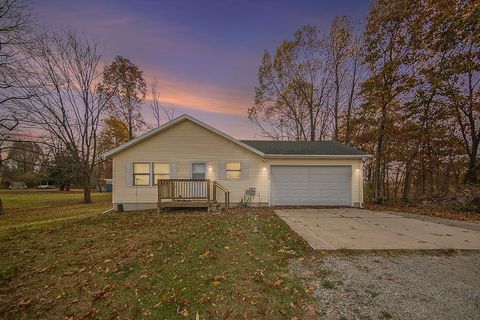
(215, 206)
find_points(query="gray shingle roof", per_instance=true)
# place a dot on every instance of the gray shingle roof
(324, 148)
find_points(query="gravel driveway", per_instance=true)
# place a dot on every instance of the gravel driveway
(398, 286)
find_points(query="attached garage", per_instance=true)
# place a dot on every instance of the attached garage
(260, 172)
(311, 185)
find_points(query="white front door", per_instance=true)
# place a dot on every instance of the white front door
(199, 173)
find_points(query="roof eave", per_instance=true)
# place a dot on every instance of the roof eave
(316, 156)
(142, 137)
(172, 123)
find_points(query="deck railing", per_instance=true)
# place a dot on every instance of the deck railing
(184, 189)
(226, 193)
(191, 190)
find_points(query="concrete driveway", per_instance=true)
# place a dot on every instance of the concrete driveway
(349, 228)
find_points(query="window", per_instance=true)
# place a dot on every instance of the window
(198, 170)
(160, 171)
(234, 170)
(141, 174)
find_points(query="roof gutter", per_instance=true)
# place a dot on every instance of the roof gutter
(315, 156)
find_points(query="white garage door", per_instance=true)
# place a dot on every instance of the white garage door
(311, 185)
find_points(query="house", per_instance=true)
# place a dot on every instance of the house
(275, 173)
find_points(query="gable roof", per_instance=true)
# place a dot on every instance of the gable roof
(304, 148)
(264, 148)
(171, 124)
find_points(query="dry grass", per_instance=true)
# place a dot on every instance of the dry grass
(31, 207)
(437, 212)
(63, 261)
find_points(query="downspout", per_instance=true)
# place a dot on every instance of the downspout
(106, 211)
(269, 191)
(362, 205)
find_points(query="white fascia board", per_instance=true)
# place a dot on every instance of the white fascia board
(314, 156)
(226, 136)
(172, 123)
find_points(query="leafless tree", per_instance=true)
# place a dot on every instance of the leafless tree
(353, 92)
(343, 47)
(7, 125)
(293, 91)
(158, 109)
(15, 37)
(339, 48)
(66, 105)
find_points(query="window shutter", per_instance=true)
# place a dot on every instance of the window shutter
(173, 170)
(245, 170)
(222, 167)
(152, 176)
(129, 174)
(189, 170)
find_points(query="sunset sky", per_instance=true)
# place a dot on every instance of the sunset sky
(205, 54)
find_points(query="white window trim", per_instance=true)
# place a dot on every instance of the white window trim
(199, 162)
(226, 170)
(152, 169)
(149, 174)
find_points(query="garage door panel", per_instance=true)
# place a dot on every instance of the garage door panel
(310, 185)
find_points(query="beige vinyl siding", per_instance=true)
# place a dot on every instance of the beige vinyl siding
(183, 144)
(188, 142)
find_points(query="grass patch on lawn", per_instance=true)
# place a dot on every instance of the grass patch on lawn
(149, 265)
(430, 210)
(29, 207)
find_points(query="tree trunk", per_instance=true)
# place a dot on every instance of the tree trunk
(350, 103)
(312, 125)
(130, 122)
(336, 103)
(396, 184)
(1, 207)
(445, 185)
(378, 183)
(407, 181)
(385, 174)
(471, 174)
(87, 197)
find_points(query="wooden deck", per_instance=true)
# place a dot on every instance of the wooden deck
(185, 204)
(190, 193)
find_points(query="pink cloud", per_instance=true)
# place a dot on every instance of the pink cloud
(185, 93)
(158, 37)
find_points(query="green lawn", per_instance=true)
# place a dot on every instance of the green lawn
(60, 259)
(31, 207)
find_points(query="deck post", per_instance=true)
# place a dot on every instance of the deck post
(159, 204)
(214, 191)
(208, 195)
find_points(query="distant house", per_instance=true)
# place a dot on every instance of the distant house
(186, 152)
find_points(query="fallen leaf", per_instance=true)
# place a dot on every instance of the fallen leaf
(25, 302)
(277, 282)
